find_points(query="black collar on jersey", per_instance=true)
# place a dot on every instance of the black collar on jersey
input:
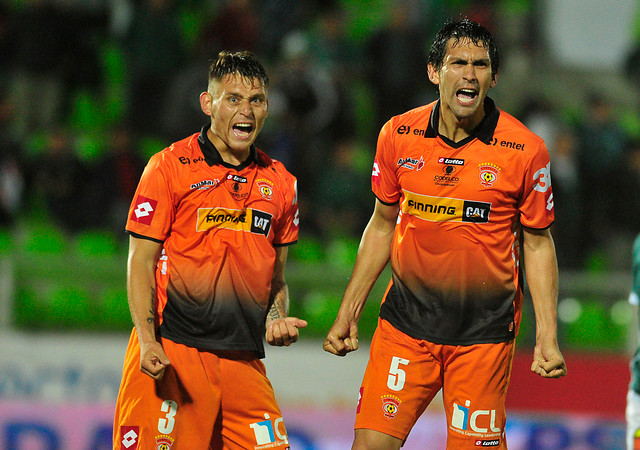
(484, 131)
(212, 155)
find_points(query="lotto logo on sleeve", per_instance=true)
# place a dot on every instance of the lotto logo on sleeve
(129, 436)
(144, 210)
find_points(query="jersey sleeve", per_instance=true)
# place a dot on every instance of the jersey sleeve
(287, 231)
(536, 206)
(384, 181)
(151, 212)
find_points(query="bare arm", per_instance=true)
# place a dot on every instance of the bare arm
(281, 329)
(542, 277)
(373, 255)
(141, 286)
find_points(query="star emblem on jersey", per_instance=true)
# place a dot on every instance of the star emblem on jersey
(390, 406)
(144, 210)
(488, 174)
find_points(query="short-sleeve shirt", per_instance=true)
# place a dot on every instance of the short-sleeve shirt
(219, 225)
(455, 255)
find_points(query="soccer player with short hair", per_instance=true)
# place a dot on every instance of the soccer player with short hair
(209, 228)
(463, 191)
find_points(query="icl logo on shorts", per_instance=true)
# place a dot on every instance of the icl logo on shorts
(462, 420)
(266, 432)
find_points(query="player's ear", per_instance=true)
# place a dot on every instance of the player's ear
(205, 103)
(433, 74)
(494, 80)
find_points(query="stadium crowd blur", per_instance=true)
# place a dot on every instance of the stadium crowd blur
(91, 88)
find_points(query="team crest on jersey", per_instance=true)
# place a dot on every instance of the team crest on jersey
(390, 406)
(488, 174)
(163, 442)
(265, 187)
(237, 186)
(411, 163)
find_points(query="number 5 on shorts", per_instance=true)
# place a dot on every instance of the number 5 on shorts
(397, 376)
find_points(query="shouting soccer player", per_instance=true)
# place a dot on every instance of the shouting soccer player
(209, 228)
(462, 190)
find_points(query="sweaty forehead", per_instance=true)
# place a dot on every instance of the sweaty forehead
(466, 46)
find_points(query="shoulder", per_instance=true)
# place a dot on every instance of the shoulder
(180, 153)
(508, 124)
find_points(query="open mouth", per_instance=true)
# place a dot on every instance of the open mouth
(242, 129)
(466, 96)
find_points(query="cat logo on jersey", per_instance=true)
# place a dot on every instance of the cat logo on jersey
(265, 187)
(445, 209)
(237, 185)
(164, 442)
(250, 220)
(390, 406)
(488, 174)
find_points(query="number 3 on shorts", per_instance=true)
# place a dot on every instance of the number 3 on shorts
(397, 376)
(165, 426)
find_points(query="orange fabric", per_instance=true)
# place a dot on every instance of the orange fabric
(404, 375)
(200, 392)
(455, 253)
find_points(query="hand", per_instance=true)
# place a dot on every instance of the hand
(284, 331)
(548, 362)
(342, 338)
(153, 360)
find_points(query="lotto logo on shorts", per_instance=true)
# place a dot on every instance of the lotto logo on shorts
(144, 210)
(489, 443)
(129, 437)
(390, 406)
(268, 434)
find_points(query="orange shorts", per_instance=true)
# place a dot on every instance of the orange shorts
(206, 400)
(404, 375)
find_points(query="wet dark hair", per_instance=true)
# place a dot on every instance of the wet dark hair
(243, 63)
(459, 29)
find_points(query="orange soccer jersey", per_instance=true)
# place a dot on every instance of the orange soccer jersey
(455, 254)
(219, 225)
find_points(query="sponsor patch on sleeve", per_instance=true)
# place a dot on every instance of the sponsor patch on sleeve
(144, 210)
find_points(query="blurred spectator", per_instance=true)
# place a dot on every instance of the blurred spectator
(342, 197)
(153, 49)
(313, 105)
(119, 171)
(57, 180)
(37, 45)
(397, 58)
(11, 169)
(234, 27)
(601, 158)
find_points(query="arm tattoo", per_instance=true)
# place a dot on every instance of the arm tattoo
(151, 317)
(279, 301)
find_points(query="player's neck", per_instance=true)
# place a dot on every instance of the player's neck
(456, 129)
